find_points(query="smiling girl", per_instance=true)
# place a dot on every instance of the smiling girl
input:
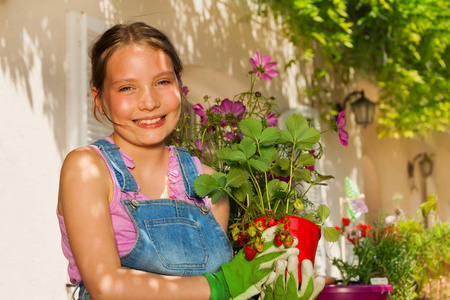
(132, 226)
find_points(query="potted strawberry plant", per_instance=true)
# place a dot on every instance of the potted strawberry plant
(265, 171)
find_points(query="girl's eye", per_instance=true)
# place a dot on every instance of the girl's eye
(125, 88)
(163, 82)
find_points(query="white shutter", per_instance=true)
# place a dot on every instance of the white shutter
(82, 128)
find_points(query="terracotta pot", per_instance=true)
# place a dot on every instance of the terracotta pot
(355, 292)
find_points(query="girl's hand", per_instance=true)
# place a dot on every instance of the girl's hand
(279, 286)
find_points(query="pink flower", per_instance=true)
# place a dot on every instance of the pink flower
(340, 123)
(311, 168)
(229, 107)
(185, 90)
(359, 205)
(263, 67)
(233, 136)
(271, 119)
(199, 110)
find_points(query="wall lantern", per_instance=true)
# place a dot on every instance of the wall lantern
(425, 164)
(363, 108)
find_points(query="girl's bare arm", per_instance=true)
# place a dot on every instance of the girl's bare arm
(85, 188)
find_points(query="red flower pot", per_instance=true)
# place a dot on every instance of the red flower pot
(355, 292)
(308, 235)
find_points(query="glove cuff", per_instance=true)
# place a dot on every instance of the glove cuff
(218, 285)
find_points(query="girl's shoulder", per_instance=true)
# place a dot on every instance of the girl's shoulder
(85, 161)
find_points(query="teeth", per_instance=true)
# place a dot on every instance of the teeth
(148, 121)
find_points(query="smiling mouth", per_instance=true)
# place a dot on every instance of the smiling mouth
(148, 122)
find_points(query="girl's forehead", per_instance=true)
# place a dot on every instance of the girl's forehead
(133, 56)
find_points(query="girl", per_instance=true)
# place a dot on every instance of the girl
(131, 225)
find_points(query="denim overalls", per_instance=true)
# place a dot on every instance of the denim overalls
(174, 237)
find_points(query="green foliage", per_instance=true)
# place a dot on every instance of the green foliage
(403, 44)
(382, 252)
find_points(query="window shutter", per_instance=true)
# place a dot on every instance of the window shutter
(82, 128)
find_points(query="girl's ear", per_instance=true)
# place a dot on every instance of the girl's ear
(98, 104)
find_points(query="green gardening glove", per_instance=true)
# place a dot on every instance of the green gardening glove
(241, 279)
(279, 286)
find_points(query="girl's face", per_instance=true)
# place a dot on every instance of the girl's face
(140, 95)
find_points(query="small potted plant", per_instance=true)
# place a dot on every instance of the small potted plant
(265, 170)
(382, 263)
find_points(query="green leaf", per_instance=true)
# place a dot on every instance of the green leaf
(205, 184)
(248, 147)
(269, 153)
(217, 195)
(251, 127)
(296, 124)
(236, 176)
(220, 178)
(269, 136)
(303, 174)
(246, 188)
(320, 178)
(259, 163)
(283, 163)
(275, 189)
(330, 234)
(323, 212)
(286, 137)
(229, 155)
(308, 138)
(306, 160)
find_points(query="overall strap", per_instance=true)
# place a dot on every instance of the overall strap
(124, 178)
(188, 170)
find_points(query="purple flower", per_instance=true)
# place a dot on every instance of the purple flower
(185, 90)
(271, 119)
(199, 110)
(263, 67)
(281, 178)
(233, 136)
(340, 123)
(229, 107)
(359, 205)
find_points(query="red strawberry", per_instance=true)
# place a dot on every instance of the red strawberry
(278, 239)
(271, 222)
(288, 241)
(242, 239)
(249, 252)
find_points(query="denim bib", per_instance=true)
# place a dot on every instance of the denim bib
(174, 237)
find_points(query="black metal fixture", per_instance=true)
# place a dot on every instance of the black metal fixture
(363, 108)
(426, 167)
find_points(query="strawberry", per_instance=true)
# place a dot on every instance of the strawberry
(271, 222)
(251, 231)
(259, 244)
(242, 239)
(249, 252)
(288, 241)
(260, 225)
(278, 239)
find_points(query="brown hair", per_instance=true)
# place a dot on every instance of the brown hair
(125, 34)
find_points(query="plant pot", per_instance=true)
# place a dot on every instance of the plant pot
(355, 292)
(308, 235)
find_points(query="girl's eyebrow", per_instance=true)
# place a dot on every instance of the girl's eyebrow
(125, 80)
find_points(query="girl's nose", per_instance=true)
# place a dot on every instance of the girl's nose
(149, 100)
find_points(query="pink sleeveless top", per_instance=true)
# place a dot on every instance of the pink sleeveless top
(124, 229)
